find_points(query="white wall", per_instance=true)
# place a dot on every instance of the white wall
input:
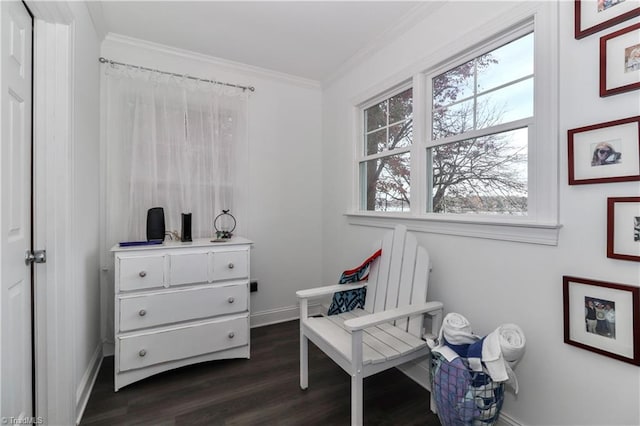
(85, 162)
(283, 205)
(494, 282)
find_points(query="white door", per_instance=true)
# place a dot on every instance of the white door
(15, 212)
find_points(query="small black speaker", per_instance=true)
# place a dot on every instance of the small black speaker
(155, 224)
(186, 227)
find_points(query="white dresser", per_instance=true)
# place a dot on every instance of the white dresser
(178, 304)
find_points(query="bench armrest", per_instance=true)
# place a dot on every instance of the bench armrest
(371, 320)
(323, 291)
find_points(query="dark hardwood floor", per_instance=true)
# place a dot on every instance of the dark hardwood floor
(263, 390)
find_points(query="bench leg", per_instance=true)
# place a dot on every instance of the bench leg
(357, 394)
(304, 361)
(304, 347)
(356, 399)
(432, 403)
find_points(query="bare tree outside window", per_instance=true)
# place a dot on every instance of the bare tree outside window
(389, 131)
(488, 173)
(481, 175)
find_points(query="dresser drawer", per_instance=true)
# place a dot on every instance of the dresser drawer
(141, 272)
(169, 344)
(188, 268)
(171, 306)
(230, 265)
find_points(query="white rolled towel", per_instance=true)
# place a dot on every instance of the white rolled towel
(456, 330)
(512, 343)
(502, 349)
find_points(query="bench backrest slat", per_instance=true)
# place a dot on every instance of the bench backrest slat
(399, 277)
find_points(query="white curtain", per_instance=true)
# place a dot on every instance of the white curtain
(171, 142)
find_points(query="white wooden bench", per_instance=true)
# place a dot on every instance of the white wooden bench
(389, 330)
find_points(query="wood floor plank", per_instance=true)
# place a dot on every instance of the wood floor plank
(263, 390)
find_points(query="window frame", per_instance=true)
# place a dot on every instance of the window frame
(541, 225)
(529, 122)
(363, 157)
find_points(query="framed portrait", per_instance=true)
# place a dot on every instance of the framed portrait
(602, 317)
(620, 61)
(605, 152)
(623, 228)
(592, 16)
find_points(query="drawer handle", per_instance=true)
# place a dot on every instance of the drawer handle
(231, 335)
(142, 274)
(231, 265)
(142, 312)
(142, 352)
(231, 300)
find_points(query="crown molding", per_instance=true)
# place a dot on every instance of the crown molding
(402, 25)
(211, 60)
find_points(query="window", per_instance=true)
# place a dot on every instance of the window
(385, 164)
(171, 143)
(481, 113)
(484, 161)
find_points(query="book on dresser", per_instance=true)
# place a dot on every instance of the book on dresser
(179, 303)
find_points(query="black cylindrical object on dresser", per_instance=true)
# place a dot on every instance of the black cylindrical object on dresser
(186, 227)
(155, 224)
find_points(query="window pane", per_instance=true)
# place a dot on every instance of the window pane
(389, 124)
(376, 141)
(507, 63)
(400, 106)
(457, 108)
(504, 105)
(401, 135)
(385, 182)
(486, 175)
(453, 120)
(453, 85)
(375, 117)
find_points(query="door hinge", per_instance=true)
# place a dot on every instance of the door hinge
(36, 256)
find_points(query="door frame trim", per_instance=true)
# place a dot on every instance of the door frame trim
(53, 195)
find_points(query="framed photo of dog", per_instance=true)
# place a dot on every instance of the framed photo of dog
(620, 61)
(605, 152)
(623, 228)
(602, 317)
(592, 16)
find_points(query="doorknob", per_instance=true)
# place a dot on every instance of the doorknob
(37, 256)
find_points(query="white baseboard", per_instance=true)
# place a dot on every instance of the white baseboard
(505, 420)
(274, 316)
(108, 348)
(85, 387)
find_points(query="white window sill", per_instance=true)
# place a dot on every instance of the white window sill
(488, 228)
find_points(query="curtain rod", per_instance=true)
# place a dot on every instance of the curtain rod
(109, 61)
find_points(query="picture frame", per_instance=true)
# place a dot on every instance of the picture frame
(592, 16)
(620, 61)
(605, 152)
(602, 317)
(623, 228)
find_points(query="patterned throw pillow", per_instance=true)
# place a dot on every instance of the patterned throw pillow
(345, 301)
